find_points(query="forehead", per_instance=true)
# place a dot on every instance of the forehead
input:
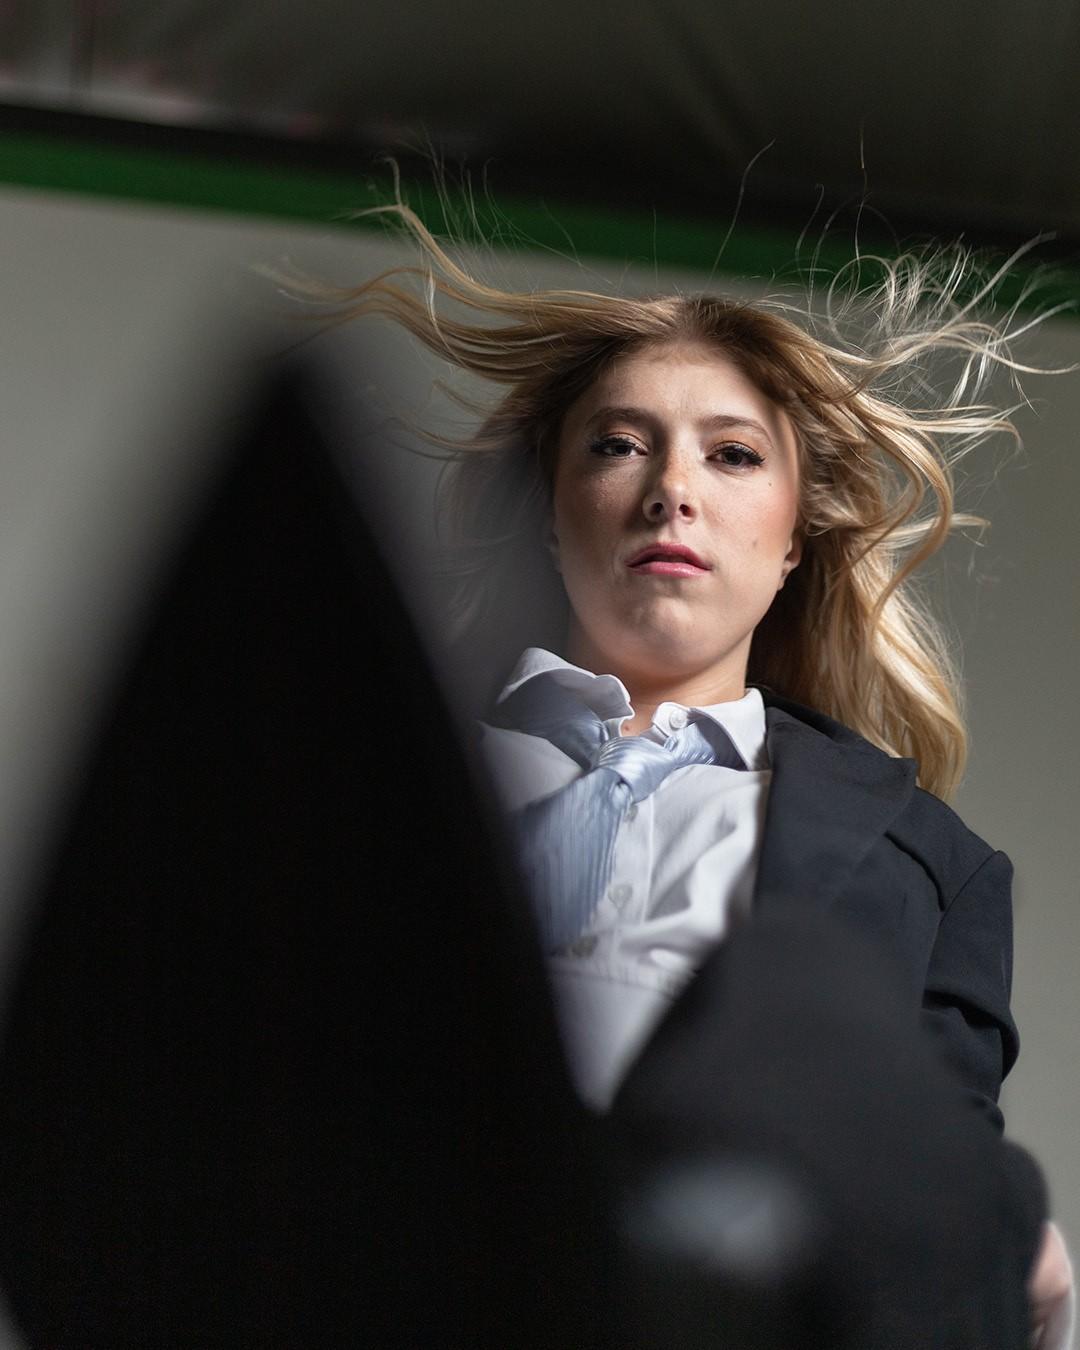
(681, 379)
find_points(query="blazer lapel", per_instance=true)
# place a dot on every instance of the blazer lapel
(832, 796)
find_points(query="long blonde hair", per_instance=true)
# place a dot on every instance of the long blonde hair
(847, 635)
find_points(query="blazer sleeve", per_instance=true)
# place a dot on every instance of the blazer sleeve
(966, 1009)
(968, 983)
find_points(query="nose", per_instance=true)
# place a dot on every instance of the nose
(670, 494)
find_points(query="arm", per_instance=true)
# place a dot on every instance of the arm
(966, 1009)
(968, 983)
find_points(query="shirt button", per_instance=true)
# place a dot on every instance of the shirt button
(584, 947)
(631, 813)
(678, 718)
(621, 893)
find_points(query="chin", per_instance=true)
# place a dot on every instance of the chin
(655, 646)
(664, 657)
(679, 641)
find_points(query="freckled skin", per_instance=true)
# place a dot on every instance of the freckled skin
(673, 444)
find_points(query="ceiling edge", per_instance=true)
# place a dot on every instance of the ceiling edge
(95, 157)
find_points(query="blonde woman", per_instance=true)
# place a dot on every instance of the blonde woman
(689, 514)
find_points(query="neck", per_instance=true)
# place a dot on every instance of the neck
(720, 682)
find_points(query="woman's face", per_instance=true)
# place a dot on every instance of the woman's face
(674, 524)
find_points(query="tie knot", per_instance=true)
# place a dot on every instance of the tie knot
(643, 764)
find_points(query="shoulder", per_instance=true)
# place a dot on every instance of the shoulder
(933, 832)
(925, 827)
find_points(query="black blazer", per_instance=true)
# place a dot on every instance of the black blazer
(848, 830)
(790, 1047)
(847, 827)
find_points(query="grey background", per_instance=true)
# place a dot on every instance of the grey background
(119, 328)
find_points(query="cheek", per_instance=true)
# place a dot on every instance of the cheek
(584, 516)
(763, 524)
(778, 518)
(564, 524)
(570, 536)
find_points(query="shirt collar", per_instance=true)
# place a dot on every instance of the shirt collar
(743, 719)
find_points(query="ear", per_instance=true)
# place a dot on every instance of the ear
(792, 558)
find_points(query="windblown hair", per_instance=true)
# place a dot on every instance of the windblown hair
(847, 634)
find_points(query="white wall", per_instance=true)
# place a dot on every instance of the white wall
(113, 344)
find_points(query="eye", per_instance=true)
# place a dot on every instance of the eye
(614, 447)
(737, 456)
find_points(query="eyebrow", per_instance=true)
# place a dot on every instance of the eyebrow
(642, 417)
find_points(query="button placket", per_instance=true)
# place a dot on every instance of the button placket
(632, 864)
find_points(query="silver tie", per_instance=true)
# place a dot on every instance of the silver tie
(567, 840)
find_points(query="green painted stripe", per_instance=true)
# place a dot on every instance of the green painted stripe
(178, 177)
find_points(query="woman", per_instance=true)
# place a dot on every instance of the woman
(700, 520)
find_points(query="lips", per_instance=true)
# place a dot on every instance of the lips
(674, 559)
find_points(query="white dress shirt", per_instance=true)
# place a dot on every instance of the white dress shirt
(684, 872)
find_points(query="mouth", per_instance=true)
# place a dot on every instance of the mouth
(671, 560)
